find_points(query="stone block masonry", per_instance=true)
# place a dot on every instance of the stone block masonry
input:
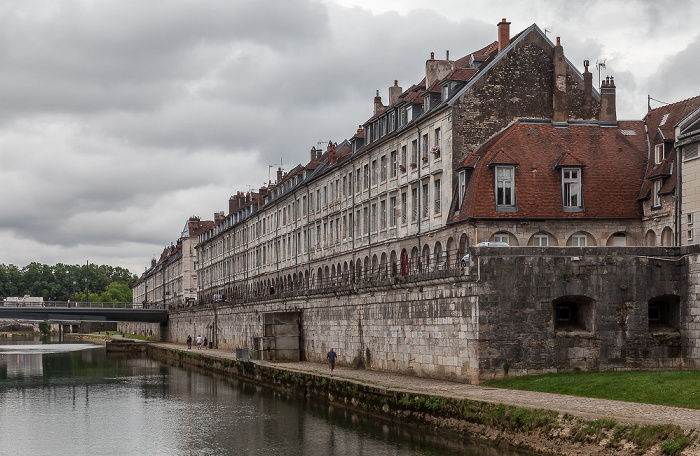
(524, 310)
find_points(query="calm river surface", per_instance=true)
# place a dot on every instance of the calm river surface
(59, 398)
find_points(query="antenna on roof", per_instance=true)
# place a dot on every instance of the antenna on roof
(269, 168)
(649, 98)
(546, 31)
(600, 63)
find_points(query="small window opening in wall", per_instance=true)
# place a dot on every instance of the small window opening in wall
(690, 218)
(664, 313)
(690, 235)
(573, 314)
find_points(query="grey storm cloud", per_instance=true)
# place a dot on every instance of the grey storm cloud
(120, 119)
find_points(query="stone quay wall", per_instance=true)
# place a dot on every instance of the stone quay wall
(501, 315)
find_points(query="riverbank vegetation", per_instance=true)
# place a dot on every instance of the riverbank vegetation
(672, 388)
(58, 283)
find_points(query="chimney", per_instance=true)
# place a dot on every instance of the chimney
(503, 34)
(233, 204)
(394, 92)
(378, 106)
(313, 155)
(587, 112)
(153, 262)
(608, 112)
(279, 175)
(436, 70)
(559, 95)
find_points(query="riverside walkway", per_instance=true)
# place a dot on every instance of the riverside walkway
(590, 408)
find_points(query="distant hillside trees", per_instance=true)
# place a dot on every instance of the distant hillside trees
(106, 283)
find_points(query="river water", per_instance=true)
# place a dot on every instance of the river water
(63, 398)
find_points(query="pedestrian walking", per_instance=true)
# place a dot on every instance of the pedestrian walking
(199, 342)
(331, 356)
(205, 342)
(189, 342)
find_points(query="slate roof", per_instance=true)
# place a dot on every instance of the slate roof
(614, 169)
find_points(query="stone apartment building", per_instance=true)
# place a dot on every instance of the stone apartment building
(171, 281)
(382, 203)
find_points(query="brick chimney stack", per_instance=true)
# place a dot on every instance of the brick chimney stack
(153, 262)
(503, 34)
(587, 92)
(279, 175)
(378, 106)
(559, 95)
(436, 70)
(394, 92)
(608, 112)
(312, 154)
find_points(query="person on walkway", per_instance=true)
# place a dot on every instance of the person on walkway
(205, 342)
(199, 342)
(331, 356)
(189, 342)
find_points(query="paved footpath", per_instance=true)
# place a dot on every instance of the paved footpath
(626, 412)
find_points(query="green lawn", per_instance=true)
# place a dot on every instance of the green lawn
(674, 388)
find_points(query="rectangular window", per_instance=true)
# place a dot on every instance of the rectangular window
(382, 215)
(318, 200)
(365, 221)
(414, 152)
(462, 188)
(689, 218)
(325, 196)
(382, 162)
(311, 202)
(437, 146)
(578, 240)
(367, 176)
(540, 240)
(394, 163)
(357, 180)
(404, 208)
(658, 153)
(690, 235)
(403, 157)
(345, 185)
(351, 226)
(505, 186)
(424, 148)
(571, 187)
(501, 237)
(437, 196)
(373, 221)
(426, 208)
(657, 189)
(374, 172)
(414, 204)
(392, 211)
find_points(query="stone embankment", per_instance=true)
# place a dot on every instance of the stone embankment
(544, 423)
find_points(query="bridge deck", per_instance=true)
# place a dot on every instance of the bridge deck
(84, 314)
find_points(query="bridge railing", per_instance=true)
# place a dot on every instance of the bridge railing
(71, 304)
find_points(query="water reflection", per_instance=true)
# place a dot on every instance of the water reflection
(81, 401)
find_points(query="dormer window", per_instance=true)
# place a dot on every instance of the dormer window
(571, 189)
(505, 186)
(445, 92)
(658, 153)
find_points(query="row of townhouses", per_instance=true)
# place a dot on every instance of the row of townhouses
(510, 143)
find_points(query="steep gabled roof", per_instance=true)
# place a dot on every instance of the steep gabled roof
(614, 168)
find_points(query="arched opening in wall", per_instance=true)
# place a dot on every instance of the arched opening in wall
(333, 276)
(367, 269)
(450, 253)
(573, 313)
(326, 276)
(425, 259)
(505, 236)
(319, 278)
(667, 237)
(394, 270)
(437, 257)
(618, 239)
(338, 275)
(542, 239)
(358, 271)
(463, 245)
(664, 313)
(581, 239)
(382, 266)
(375, 267)
(290, 283)
(405, 266)
(415, 260)
(650, 238)
(306, 279)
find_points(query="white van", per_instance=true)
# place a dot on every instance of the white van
(465, 258)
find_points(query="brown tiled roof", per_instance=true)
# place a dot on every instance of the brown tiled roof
(461, 74)
(568, 159)
(614, 171)
(502, 158)
(481, 54)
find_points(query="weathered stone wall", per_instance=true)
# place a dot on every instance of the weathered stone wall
(612, 287)
(500, 314)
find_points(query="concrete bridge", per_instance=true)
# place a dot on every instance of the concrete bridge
(84, 314)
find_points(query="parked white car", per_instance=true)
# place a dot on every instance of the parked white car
(466, 257)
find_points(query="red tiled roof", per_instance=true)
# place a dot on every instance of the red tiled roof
(615, 164)
(567, 159)
(481, 55)
(461, 74)
(502, 158)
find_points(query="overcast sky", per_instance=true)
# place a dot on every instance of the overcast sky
(119, 119)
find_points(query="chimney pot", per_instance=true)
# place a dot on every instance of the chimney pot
(432, 56)
(396, 82)
(558, 41)
(447, 55)
(608, 110)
